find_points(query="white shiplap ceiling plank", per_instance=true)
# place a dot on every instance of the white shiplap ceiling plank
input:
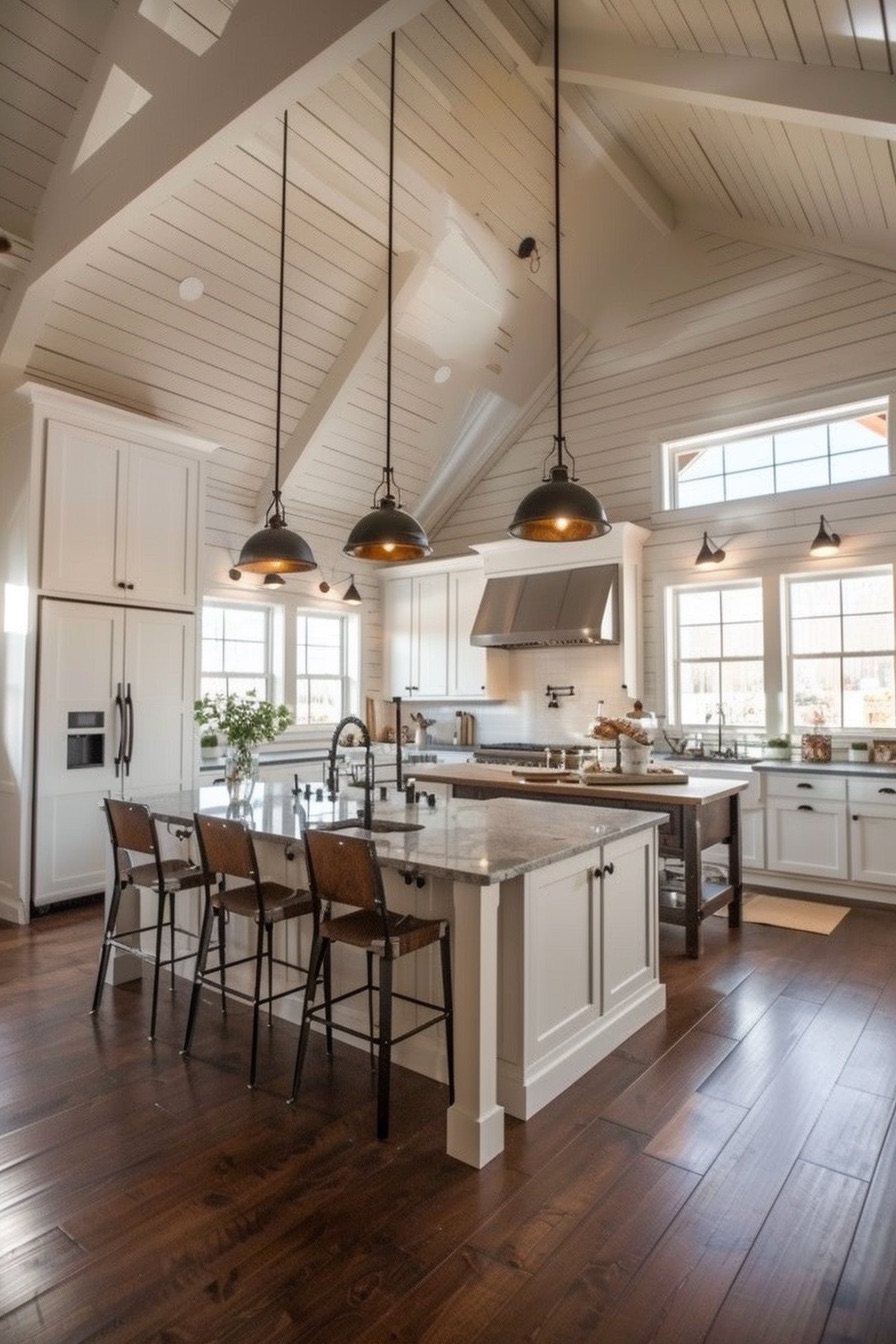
(803, 14)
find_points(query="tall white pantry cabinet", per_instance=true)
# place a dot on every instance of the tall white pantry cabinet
(100, 513)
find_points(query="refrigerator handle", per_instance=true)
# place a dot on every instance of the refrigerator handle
(129, 749)
(119, 706)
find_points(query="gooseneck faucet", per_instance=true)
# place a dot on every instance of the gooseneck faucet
(368, 764)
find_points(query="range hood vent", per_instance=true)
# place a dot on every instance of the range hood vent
(561, 607)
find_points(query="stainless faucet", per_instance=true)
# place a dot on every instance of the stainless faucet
(332, 788)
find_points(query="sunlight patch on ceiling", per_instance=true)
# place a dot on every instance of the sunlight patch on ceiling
(120, 99)
(195, 24)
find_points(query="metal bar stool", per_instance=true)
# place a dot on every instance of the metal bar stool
(227, 850)
(344, 870)
(132, 831)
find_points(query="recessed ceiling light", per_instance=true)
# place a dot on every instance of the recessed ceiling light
(191, 289)
(442, 373)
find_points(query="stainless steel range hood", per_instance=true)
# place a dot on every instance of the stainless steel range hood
(560, 607)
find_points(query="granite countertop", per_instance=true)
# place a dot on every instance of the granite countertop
(473, 841)
(865, 770)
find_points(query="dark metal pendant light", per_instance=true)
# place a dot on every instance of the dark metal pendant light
(387, 532)
(275, 549)
(558, 509)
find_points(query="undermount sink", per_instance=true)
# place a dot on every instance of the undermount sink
(380, 826)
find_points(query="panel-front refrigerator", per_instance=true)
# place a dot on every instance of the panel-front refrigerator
(114, 717)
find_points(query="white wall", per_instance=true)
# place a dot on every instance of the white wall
(767, 333)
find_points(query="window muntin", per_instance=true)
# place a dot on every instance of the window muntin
(842, 444)
(718, 655)
(322, 685)
(236, 650)
(841, 639)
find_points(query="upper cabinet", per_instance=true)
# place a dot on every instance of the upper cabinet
(428, 613)
(121, 513)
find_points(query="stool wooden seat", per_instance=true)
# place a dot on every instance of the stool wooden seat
(228, 851)
(344, 870)
(132, 831)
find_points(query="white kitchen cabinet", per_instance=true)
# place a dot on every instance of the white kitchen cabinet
(596, 916)
(115, 694)
(427, 619)
(806, 827)
(120, 518)
(872, 831)
(415, 631)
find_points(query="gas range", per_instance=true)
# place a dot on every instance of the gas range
(528, 753)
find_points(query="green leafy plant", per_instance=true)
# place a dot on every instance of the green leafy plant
(244, 719)
(208, 739)
(859, 746)
(783, 741)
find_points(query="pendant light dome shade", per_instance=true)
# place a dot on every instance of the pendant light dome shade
(559, 509)
(387, 532)
(275, 549)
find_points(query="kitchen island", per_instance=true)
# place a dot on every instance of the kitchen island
(554, 931)
(698, 814)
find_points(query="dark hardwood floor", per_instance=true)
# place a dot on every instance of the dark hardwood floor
(729, 1175)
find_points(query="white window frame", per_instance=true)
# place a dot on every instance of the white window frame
(673, 661)
(823, 415)
(787, 582)
(281, 661)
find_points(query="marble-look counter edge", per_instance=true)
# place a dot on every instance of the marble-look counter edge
(479, 842)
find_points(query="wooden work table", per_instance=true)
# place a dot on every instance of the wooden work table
(702, 812)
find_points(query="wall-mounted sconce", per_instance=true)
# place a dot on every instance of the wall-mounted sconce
(553, 692)
(826, 542)
(351, 594)
(709, 553)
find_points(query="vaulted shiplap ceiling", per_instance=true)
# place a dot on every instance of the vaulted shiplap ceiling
(139, 145)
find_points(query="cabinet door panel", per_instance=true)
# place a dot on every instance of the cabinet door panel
(84, 513)
(873, 845)
(159, 656)
(163, 491)
(807, 839)
(467, 673)
(431, 619)
(628, 918)
(397, 636)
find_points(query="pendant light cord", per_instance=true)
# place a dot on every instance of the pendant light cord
(277, 504)
(557, 227)
(388, 472)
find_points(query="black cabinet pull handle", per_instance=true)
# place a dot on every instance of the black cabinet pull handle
(805, 807)
(119, 708)
(609, 869)
(886, 789)
(803, 785)
(856, 817)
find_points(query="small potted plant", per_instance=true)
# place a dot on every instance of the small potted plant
(209, 745)
(858, 752)
(247, 722)
(777, 748)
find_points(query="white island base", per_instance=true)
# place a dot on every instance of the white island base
(554, 928)
(576, 950)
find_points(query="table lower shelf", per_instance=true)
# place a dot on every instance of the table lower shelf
(714, 895)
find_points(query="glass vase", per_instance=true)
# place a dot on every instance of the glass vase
(240, 773)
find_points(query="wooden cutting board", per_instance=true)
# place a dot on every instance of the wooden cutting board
(657, 775)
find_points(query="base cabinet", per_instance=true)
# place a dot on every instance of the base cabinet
(872, 832)
(578, 967)
(806, 831)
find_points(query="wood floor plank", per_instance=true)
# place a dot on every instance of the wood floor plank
(676, 1296)
(145, 1199)
(788, 1279)
(747, 1070)
(696, 1134)
(864, 1307)
(665, 1086)
(850, 1131)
